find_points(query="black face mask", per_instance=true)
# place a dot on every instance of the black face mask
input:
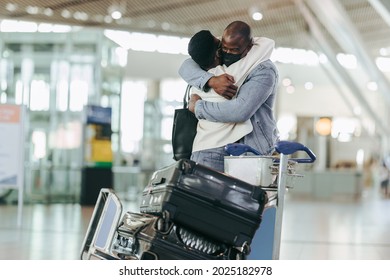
(229, 58)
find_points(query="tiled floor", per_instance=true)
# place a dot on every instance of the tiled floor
(337, 230)
(312, 229)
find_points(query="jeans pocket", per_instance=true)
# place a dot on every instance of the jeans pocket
(214, 161)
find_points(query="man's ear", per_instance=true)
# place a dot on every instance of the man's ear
(248, 48)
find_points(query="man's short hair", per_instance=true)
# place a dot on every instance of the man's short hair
(202, 48)
(241, 28)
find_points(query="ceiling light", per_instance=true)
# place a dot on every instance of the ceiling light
(66, 14)
(255, 13)
(32, 10)
(116, 11)
(165, 26)
(116, 14)
(257, 16)
(48, 12)
(11, 7)
(80, 16)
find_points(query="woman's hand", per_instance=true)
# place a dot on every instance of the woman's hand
(191, 104)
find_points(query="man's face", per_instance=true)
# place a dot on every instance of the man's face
(234, 48)
(234, 45)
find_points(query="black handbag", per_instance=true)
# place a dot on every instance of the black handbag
(184, 129)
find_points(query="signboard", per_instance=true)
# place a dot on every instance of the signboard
(11, 145)
(98, 151)
(12, 141)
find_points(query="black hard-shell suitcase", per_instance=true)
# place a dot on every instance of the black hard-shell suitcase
(147, 237)
(212, 203)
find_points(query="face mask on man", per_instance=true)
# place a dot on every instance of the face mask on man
(230, 58)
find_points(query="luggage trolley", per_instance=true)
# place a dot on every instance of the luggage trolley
(109, 234)
(102, 227)
(271, 174)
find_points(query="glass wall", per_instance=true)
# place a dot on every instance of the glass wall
(55, 76)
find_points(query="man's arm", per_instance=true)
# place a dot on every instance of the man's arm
(195, 76)
(253, 93)
(191, 72)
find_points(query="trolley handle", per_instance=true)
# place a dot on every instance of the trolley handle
(282, 147)
(237, 149)
(288, 148)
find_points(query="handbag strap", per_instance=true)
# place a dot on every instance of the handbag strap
(186, 98)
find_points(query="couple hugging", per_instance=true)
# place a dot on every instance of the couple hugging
(233, 94)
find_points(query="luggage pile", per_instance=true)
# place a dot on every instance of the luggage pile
(189, 211)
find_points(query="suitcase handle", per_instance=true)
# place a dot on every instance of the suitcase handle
(156, 183)
(282, 147)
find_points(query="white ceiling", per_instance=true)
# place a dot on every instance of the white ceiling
(282, 21)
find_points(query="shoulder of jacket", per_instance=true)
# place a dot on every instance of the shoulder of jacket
(266, 65)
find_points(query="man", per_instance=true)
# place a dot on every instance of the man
(254, 100)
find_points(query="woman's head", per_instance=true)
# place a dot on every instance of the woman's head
(203, 49)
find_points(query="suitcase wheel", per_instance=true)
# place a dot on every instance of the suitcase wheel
(163, 225)
(245, 248)
(149, 256)
(234, 254)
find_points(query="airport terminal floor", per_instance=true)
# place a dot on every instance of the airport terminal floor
(336, 228)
